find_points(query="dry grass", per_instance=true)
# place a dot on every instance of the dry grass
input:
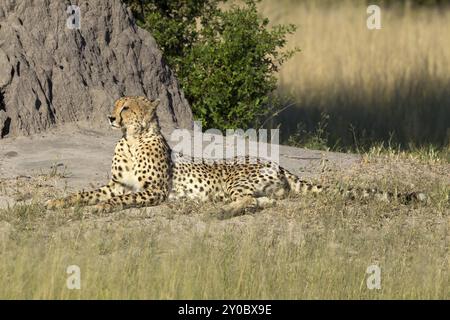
(306, 247)
(381, 82)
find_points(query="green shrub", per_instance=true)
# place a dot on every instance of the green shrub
(226, 59)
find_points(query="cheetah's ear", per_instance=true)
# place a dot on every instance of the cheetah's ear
(151, 112)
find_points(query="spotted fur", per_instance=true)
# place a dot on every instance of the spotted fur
(144, 173)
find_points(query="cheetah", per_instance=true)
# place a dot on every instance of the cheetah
(145, 173)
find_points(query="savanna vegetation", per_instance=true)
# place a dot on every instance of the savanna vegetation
(306, 247)
(353, 87)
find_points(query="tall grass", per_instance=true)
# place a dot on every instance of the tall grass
(306, 247)
(375, 85)
(304, 257)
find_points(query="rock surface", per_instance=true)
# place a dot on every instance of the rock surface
(51, 74)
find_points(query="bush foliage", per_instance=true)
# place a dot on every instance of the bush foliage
(226, 59)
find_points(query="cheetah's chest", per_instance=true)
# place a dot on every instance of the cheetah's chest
(123, 168)
(123, 173)
(130, 180)
(141, 166)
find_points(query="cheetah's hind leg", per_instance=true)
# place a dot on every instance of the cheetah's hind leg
(240, 205)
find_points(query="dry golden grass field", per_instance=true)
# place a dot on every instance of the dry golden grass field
(373, 84)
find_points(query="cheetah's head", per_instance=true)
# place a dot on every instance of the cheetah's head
(134, 114)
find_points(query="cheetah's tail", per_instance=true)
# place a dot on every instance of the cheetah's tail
(298, 185)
